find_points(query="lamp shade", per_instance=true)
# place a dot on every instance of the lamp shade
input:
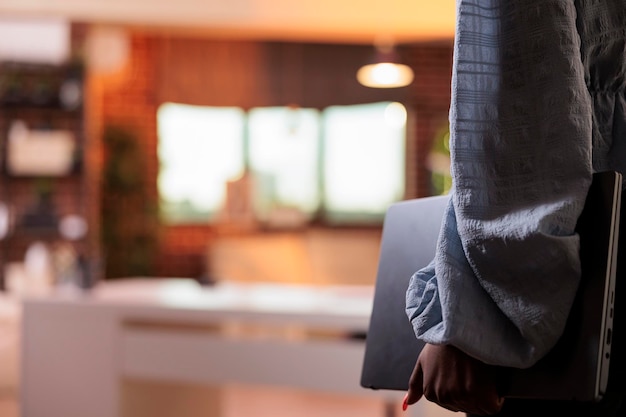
(385, 71)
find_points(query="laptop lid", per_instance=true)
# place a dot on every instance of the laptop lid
(408, 243)
(577, 368)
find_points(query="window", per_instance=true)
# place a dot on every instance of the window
(283, 154)
(346, 163)
(363, 160)
(200, 148)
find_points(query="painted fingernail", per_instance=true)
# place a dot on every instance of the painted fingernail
(405, 403)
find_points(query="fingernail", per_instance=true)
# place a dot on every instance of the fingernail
(405, 403)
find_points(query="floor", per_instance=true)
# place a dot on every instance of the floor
(148, 400)
(8, 406)
(152, 399)
(9, 359)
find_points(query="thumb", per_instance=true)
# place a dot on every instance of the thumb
(416, 390)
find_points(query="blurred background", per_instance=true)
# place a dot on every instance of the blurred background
(217, 141)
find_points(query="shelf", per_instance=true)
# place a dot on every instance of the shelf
(45, 98)
(44, 233)
(27, 87)
(26, 107)
(75, 171)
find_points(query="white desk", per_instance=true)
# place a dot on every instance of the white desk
(76, 350)
(9, 341)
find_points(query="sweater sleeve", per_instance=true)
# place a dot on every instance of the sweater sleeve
(507, 267)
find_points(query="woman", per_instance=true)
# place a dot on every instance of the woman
(538, 105)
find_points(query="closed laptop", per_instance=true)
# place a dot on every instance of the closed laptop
(577, 367)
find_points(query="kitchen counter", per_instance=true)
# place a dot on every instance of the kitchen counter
(78, 348)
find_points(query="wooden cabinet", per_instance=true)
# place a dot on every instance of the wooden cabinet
(44, 194)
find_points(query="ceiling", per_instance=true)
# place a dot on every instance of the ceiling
(346, 21)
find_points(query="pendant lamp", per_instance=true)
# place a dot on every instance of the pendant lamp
(386, 70)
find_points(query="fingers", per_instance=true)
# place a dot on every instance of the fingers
(415, 391)
(416, 384)
(450, 378)
(470, 404)
(493, 405)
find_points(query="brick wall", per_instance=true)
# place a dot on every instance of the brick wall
(125, 101)
(131, 97)
(430, 100)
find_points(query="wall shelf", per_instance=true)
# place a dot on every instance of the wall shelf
(46, 102)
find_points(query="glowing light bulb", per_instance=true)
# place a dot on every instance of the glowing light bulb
(385, 75)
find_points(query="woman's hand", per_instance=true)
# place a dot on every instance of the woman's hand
(447, 376)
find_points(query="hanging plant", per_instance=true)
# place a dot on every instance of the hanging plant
(129, 216)
(439, 162)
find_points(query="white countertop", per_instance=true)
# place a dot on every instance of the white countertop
(327, 306)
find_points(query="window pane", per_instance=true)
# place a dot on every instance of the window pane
(200, 148)
(364, 162)
(284, 152)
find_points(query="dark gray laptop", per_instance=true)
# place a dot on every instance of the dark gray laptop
(577, 367)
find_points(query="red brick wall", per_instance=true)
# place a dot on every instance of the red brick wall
(131, 98)
(126, 100)
(430, 99)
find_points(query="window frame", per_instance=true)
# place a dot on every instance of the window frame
(321, 217)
